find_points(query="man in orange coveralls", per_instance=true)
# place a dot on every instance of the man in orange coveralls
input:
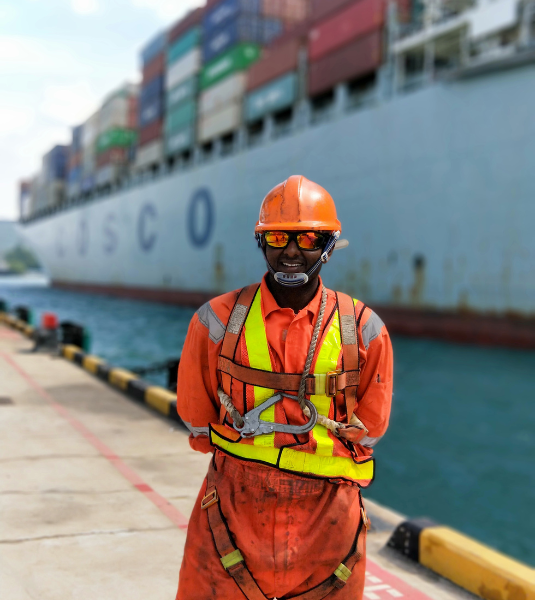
(289, 385)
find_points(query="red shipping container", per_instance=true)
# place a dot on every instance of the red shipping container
(151, 132)
(75, 160)
(276, 61)
(154, 68)
(355, 21)
(287, 10)
(321, 9)
(361, 57)
(294, 31)
(192, 19)
(113, 156)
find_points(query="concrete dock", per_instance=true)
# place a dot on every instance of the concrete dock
(96, 491)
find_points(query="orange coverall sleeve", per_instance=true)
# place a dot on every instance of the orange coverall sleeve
(197, 401)
(376, 382)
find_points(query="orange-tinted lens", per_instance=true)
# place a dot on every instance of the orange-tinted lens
(276, 239)
(310, 240)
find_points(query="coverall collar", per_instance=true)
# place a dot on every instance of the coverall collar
(269, 304)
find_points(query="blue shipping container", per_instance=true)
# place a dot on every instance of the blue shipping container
(151, 90)
(155, 46)
(150, 111)
(272, 29)
(244, 28)
(75, 175)
(55, 163)
(274, 96)
(88, 183)
(227, 10)
(181, 92)
(183, 45)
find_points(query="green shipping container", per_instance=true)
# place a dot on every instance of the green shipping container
(181, 116)
(179, 141)
(184, 44)
(237, 59)
(272, 97)
(185, 90)
(116, 138)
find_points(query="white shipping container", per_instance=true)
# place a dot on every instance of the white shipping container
(149, 154)
(216, 96)
(114, 114)
(90, 131)
(183, 68)
(108, 174)
(220, 122)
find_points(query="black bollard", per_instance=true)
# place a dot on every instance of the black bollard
(3, 305)
(74, 334)
(23, 313)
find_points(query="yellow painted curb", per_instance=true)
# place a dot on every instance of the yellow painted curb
(474, 566)
(120, 378)
(160, 399)
(91, 363)
(69, 351)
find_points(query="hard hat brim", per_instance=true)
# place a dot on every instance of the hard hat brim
(301, 226)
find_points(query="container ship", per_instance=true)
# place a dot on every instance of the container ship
(416, 115)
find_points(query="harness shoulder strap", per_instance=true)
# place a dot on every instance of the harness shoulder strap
(234, 326)
(350, 349)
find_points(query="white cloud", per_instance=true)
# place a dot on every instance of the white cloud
(15, 119)
(70, 103)
(85, 7)
(168, 9)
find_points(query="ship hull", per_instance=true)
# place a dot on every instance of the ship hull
(435, 191)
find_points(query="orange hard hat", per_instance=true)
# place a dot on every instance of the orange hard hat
(298, 204)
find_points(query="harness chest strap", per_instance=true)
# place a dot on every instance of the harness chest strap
(234, 563)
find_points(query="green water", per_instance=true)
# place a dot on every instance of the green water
(461, 445)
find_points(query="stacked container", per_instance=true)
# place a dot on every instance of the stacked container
(223, 86)
(345, 46)
(151, 102)
(48, 188)
(89, 140)
(74, 175)
(273, 81)
(117, 134)
(182, 83)
(287, 10)
(231, 22)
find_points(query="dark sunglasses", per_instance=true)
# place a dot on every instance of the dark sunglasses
(306, 240)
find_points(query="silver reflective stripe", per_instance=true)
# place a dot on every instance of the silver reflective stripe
(371, 329)
(196, 431)
(211, 321)
(369, 442)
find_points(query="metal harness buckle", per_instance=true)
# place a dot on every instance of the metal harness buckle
(253, 424)
(209, 500)
(331, 383)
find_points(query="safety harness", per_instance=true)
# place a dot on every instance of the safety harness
(234, 563)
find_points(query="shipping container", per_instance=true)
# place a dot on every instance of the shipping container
(227, 10)
(156, 45)
(359, 58)
(154, 68)
(55, 163)
(179, 141)
(119, 109)
(181, 116)
(182, 69)
(90, 131)
(113, 156)
(275, 62)
(272, 29)
(287, 10)
(181, 92)
(116, 138)
(220, 122)
(75, 175)
(88, 183)
(244, 28)
(273, 97)
(237, 59)
(192, 19)
(150, 133)
(152, 89)
(149, 154)
(151, 111)
(109, 174)
(184, 44)
(216, 96)
(75, 159)
(77, 135)
(357, 20)
(323, 9)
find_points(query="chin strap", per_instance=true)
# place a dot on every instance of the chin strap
(298, 279)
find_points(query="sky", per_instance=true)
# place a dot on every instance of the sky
(58, 60)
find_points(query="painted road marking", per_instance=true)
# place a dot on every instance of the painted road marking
(380, 584)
